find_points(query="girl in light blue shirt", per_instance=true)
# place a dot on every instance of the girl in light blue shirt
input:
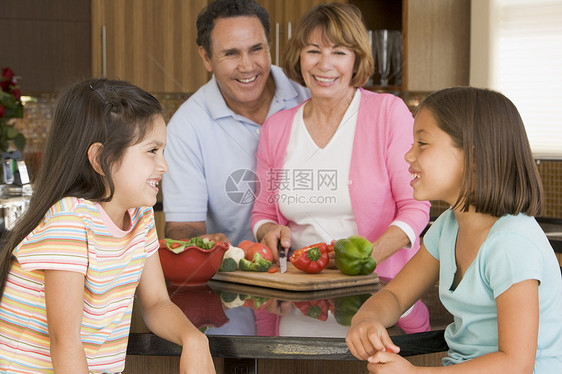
(498, 275)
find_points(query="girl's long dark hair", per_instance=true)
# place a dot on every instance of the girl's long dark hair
(113, 113)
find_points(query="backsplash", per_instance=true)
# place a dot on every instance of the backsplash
(38, 114)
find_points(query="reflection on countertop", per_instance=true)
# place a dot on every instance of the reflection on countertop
(243, 321)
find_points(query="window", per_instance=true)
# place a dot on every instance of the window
(522, 58)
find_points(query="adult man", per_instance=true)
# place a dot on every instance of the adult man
(212, 138)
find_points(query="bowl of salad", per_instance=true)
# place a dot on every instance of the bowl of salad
(190, 262)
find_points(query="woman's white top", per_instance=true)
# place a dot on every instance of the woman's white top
(315, 194)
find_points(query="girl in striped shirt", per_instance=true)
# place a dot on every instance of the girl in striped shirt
(70, 268)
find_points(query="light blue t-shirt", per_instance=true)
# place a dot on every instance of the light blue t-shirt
(211, 154)
(516, 249)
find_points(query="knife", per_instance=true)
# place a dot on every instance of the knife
(282, 258)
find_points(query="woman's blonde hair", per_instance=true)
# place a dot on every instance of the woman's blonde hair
(341, 24)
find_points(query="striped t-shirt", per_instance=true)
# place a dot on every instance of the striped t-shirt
(75, 235)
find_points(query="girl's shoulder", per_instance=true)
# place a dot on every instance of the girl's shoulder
(71, 205)
(83, 214)
(444, 220)
(74, 205)
(518, 230)
(516, 222)
(441, 234)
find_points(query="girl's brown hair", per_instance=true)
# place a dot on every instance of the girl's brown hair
(500, 174)
(341, 24)
(113, 113)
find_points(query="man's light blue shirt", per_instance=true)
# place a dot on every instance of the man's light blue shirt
(211, 154)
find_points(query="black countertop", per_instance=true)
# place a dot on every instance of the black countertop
(553, 230)
(244, 321)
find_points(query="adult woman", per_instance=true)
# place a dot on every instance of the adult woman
(334, 166)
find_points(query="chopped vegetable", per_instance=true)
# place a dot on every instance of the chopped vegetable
(317, 309)
(178, 246)
(201, 243)
(258, 263)
(353, 256)
(231, 259)
(232, 300)
(347, 306)
(312, 259)
(228, 265)
(257, 302)
(260, 248)
(245, 244)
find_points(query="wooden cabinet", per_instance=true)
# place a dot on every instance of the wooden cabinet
(283, 16)
(150, 43)
(435, 34)
(437, 47)
(435, 39)
(46, 43)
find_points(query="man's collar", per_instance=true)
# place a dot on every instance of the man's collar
(284, 91)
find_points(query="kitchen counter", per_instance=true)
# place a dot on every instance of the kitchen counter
(553, 230)
(248, 322)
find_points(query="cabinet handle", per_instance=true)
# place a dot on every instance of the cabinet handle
(103, 52)
(289, 30)
(277, 43)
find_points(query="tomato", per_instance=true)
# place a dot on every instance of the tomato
(245, 244)
(260, 248)
(175, 245)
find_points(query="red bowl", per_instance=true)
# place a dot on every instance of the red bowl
(193, 266)
(200, 304)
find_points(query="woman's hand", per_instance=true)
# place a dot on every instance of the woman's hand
(219, 237)
(271, 234)
(195, 356)
(366, 337)
(279, 307)
(387, 362)
(332, 255)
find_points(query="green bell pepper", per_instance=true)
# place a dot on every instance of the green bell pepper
(347, 306)
(353, 256)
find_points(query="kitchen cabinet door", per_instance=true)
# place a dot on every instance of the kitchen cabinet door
(435, 36)
(46, 43)
(150, 43)
(437, 44)
(283, 17)
(435, 40)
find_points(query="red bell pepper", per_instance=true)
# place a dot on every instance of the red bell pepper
(317, 309)
(312, 259)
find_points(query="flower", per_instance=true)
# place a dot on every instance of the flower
(10, 107)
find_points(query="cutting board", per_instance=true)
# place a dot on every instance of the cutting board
(296, 280)
(285, 295)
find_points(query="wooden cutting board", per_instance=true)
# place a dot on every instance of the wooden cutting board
(285, 295)
(296, 280)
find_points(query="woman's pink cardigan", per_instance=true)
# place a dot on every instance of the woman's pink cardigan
(379, 181)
